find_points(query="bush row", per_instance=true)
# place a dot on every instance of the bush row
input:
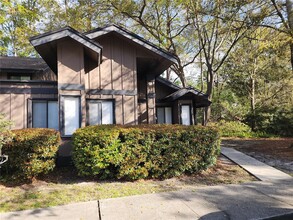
(150, 151)
(31, 152)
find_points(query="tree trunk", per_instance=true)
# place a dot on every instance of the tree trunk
(210, 85)
(289, 8)
(252, 102)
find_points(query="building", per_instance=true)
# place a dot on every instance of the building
(106, 76)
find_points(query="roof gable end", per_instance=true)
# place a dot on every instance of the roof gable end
(133, 37)
(46, 45)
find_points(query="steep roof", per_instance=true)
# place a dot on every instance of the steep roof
(46, 45)
(200, 97)
(22, 64)
(133, 37)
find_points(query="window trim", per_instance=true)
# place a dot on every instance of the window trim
(30, 110)
(190, 115)
(88, 101)
(172, 113)
(62, 115)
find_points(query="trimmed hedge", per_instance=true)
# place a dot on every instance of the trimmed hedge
(31, 152)
(146, 151)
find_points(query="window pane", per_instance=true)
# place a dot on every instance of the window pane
(107, 112)
(160, 115)
(71, 115)
(25, 78)
(39, 114)
(185, 114)
(168, 115)
(53, 115)
(94, 113)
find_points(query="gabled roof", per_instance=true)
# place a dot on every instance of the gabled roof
(22, 64)
(133, 37)
(200, 97)
(46, 46)
(167, 83)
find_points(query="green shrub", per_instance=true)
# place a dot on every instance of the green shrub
(146, 151)
(234, 129)
(5, 134)
(31, 152)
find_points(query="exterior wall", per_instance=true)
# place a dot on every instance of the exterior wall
(14, 102)
(71, 74)
(116, 78)
(45, 76)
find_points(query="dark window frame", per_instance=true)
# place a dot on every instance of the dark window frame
(30, 110)
(172, 113)
(62, 115)
(88, 101)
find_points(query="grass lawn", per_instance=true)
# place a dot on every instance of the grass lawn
(64, 187)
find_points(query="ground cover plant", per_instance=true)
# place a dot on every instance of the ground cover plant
(148, 151)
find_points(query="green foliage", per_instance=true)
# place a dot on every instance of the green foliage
(5, 135)
(31, 152)
(233, 129)
(273, 121)
(149, 151)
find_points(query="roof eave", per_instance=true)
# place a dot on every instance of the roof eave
(50, 38)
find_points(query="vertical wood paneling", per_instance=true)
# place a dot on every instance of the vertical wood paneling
(17, 110)
(70, 65)
(95, 78)
(106, 65)
(128, 110)
(116, 64)
(119, 109)
(128, 68)
(5, 105)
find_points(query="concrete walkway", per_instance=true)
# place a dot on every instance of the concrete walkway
(258, 169)
(255, 200)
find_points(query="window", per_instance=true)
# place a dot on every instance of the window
(185, 115)
(45, 114)
(164, 115)
(100, 112)
(71, 114)
(20, 77)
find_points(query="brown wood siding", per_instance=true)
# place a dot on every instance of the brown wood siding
(70, 63)
(14, 106)
(117, 73)
(106, 66)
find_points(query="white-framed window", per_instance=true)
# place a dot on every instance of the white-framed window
(100, 112)
(71, 114)
(185, 115)
(45, 114)
(164, 115)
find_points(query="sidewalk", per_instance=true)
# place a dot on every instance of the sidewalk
(258, 169)
(255, 200)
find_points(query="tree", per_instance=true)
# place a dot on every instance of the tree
(279, 16)
(219, 26)
(18, 23)
(165, 23)
(261, 76)
(83, 15)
